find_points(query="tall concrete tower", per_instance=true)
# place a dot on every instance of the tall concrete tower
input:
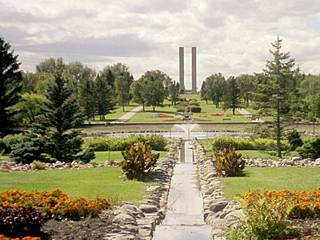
(194, 69)
(181, 68)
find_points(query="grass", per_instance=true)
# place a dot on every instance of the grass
(116, 113)
(101, 157)
(4, 158)
(257, 154)
(168, 115)
(87, 183)
(281, 178)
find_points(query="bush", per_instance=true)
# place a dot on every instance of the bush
(263, 144)
(294, 139)
(267, 216)
(37, 165)
(157, 142)
(195, 109)
(229, 163)
(17, 221)
(86, 155)
(138, 160)
(55, 204)
(10, 140)
(310, 149)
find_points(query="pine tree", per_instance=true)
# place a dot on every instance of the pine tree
(62, 116)
(276, 90)
(232, 95)
(10, 87)
(122, 90)
(87, 98)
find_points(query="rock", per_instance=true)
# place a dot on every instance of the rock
(296, 158)
(147, 208)
(218, 206)
(124, 219)
(317, 161)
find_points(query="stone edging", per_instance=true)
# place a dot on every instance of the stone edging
(131, 222)
(219, 213)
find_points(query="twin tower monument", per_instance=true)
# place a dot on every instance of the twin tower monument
(193, 68)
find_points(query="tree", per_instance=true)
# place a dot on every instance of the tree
(122, 87)
(137, 94)
(104, 93)
(275, 92)
(30, 106)
(214, 89)
(204, 92)
(153, 88)
(62, 116)
(36, 82)
(51, 66)
(232, 95)
(174, 90)
(10, 87)
(247, 86)
(87, 98)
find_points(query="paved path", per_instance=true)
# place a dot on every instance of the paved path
(125, 117)
(243, 111)
(184, 216)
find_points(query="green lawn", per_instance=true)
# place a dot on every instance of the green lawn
(4, 158)
(257, 154)
(101, 157)
(271, 179)
(87, 183)
(116, 113)
(208, 108)
(165, 113)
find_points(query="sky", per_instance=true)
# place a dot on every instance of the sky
(231, 36)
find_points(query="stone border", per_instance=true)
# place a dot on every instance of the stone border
(219, 213)
(131, 222)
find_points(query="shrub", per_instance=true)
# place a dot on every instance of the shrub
(157, 142)
(195, 109)
(10, 140)
(37, 165)
(294, 139)
(223, 142)
(138, 160)
(86, 155)
(310, 149)
(229, 163)
(267, 216)
(55, 204)
(17, 221)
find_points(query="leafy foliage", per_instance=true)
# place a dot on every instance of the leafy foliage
(267, 216)
(19, 221)
(294, 139)
(10, 87)
(138, 160)
(228, 163)
(232, 95)
(310, 149)
(195, 109)
(157, 142)
(55, 204)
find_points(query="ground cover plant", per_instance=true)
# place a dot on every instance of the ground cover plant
(269, 215)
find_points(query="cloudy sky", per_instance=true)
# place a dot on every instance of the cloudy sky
(232, 36)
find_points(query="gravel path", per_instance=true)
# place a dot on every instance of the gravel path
(243, 111)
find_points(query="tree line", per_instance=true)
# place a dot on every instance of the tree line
(280, 91)
(49, 105)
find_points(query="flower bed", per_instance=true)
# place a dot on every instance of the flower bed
(300, 203)
(23, 213)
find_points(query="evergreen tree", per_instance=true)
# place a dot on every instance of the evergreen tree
(276, 90)
(232, 95)
(62, 116)
(104, 93)
(10, 87)
(87, 98)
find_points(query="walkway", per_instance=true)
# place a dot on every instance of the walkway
(184, 216)
(243, 111)
(125, 117)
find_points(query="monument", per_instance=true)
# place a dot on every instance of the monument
(193, 68)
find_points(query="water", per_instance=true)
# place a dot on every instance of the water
(184, 216)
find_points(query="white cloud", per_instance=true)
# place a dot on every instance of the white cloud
(232, 36)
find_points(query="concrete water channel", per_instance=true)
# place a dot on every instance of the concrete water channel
(184, 215)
